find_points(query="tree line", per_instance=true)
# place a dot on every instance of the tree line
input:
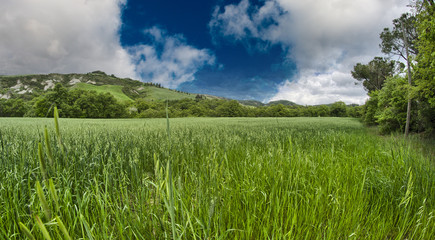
(78, 103)
(391, 84)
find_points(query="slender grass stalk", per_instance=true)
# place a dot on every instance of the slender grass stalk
(43, 201)
(56, 126)
(409, 191)
(42, 228)
(63, 228)
(42, 165)
(167, 122)
(86, 226)
(48, 147)
(26, 231)
(53, 193)
(170, 201)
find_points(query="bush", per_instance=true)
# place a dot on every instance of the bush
(393, 104)
(338, 109)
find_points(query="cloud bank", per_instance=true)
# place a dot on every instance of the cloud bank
(324, 38)
(67, 36)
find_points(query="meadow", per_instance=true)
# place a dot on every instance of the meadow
(211, 178)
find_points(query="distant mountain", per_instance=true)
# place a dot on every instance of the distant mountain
(123, 89)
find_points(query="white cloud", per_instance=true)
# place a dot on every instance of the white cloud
(324, 38)
(312, 89)
(62, 36)
(169, 61)
(242, 21)
(67, 36)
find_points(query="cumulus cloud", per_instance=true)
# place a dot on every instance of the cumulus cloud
(324, 38)
(67, 36)
(314, 88)
(62, 36)
(244, 22)
(169, 60)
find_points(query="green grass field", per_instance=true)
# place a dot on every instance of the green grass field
(211, 178)
(115, 90)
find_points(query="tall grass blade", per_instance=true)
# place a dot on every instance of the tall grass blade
(26, 231)
(167, 121)
(53, 194)
(87, 228)
(43, 200)
(56, 126)
(63, 228)
(42, 228)
(56, 123)
(41, 161)
(48, 146)
(170, 194)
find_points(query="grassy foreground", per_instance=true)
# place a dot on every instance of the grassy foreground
(211, 178)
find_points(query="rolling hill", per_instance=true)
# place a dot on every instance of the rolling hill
(254, 103)
(123, 89)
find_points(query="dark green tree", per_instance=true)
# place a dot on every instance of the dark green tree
(425, 68)
(392, 104)
(370, 109)
(373, 75)
(277, 110)
(392, 40)
(338, 109)
(230, 109)
(14, 107)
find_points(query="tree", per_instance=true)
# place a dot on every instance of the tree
(370, 109)
(425, 68)
(392, 40)
(338, 109)
(373, 74)
(277, 110)
(401, 41)
(230, 109)
(392, 104)
(14, 107)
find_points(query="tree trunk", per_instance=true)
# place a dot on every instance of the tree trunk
(408, 111)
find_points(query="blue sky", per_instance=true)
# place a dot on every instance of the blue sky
(265, 50)
(238, 71)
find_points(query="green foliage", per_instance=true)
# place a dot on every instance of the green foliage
(392, 40)
(425, 68)
(392, 102)
(230, 109)
(354, 111)
(338, 109)
(388, 105)
(370, 109)
(79, 104)
(14, 107)
(373, 74)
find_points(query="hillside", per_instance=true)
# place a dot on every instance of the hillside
(123, 89)
(254, 103)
